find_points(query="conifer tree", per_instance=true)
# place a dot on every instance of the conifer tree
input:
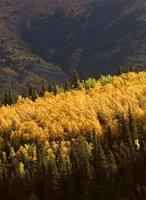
(55, 89)
(75, 172)
(67, 85)
(120, 70)
(50, 87)
(8, 98)
(132, 125)
(75, 80)
(109, 137)
(43, 88)
(11, 97)
(5, 98)
(33, 93)
(54, 179)
(112, 162)
(127, 136)
(101, 166)
(85, 167)
(99, 156)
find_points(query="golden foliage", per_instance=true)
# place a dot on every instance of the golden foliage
(77, 111)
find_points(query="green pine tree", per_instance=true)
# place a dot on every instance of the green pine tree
(43, 88)
(75, 80)
(32, 93)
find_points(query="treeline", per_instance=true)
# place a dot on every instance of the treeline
(87, 167)
(78, 110)
(10, 97)
(121, 69)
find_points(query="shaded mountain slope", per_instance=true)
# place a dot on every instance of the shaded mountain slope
(112, 34)
(49, 39)
(18, 64)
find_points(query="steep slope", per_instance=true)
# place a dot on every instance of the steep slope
(18, 64)
(77, 144)
(48, 39)
(73, 112)
(112, 34)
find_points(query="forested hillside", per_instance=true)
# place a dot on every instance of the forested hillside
(78, 111)
(88, 142)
